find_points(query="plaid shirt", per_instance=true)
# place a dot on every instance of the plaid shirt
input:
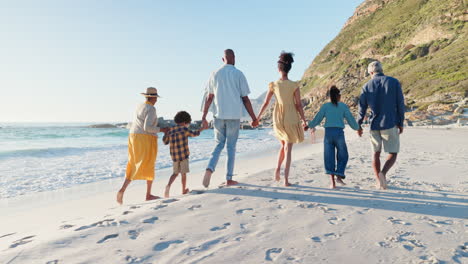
(178, 139)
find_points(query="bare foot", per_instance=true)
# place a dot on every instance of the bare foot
(287, 184)
(166, 191)
(277, 175)
(152, 197)
(332, 186)
(185, 191)
(231, 182)
(383, 181)
(120, 197)
(340, 181)
(207, 178)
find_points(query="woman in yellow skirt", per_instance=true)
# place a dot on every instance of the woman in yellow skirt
(143, 145)
(287, 115)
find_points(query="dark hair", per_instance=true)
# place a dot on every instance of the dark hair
(334, 93)
(285, 61)
(182, 117)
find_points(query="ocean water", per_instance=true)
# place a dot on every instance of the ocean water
(45, 157)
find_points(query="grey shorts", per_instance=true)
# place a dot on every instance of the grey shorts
(390, 138)
(181, 166)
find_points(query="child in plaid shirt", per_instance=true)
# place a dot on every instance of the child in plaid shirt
(177, 138)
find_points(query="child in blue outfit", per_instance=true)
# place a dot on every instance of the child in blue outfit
(334, 113)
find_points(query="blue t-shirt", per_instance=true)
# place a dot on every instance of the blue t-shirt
(384, 97)
(334, 116)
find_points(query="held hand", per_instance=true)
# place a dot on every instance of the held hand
(359, 132)
(254, 123)
(306, 128)
(304, 124)
(204, 124)
(164, 130)
(400, 128)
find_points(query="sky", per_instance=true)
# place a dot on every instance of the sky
(88, 61)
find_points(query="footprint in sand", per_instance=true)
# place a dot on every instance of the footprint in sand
(434, 222)
(272, 254)
(10, 234)
(104, 239)
(460, 252)
(66, 226)
(150, 220)
(235, 199)
(307, 205)
(217, 228)
(133, 234)
(403, 239)
(55, 261)
(164, 245)
(21, 241)
(335, 220)
(326, 209)
(134, 207)
(325, 237)
(127, 212)
(197, 192)
(159, 206)
(170, 201)
(397, 221)
(193, 207)
(241, 211)
(105, 222)
(203, 247)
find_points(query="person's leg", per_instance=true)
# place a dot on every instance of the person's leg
(149, 196)
(376, 167)
(329, 152)
(185, 190)
(341, 157)
(376, 143)
(391, 144)
(121, 192)
(168, 186)
(287, 166)
(280, 161)
(391, 158)
(219, 127)
(232, 134)
(332, 178)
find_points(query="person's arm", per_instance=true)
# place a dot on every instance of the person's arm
(208, 101)
(248, 107)
(298, 104)
(350, 119)
(151, 119)
(362, 109)
(400, 108)
(318, 118)
(265, 103)
(191, 133)
(165, 139)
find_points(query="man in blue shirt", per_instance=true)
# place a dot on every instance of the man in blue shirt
(383, 95)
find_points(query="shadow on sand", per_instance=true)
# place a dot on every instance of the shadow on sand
(445, 204)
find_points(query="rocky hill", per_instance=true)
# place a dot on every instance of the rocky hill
(423, 43)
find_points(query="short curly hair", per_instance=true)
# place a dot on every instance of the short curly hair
(182, 117)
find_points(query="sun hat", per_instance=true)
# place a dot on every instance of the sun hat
(151, 92)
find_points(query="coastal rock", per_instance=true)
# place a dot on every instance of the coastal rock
(441, 107)
(459, 110)
(102, 126)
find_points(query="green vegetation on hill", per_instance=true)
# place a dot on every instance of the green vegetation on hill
(421, 42)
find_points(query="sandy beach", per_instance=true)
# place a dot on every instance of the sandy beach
(422, 218)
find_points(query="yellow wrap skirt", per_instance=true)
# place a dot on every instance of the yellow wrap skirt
(142, 152)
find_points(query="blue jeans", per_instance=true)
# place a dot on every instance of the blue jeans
(225, 131)
(335, 140)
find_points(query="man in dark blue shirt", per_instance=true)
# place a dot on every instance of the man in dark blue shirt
(383, 95)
